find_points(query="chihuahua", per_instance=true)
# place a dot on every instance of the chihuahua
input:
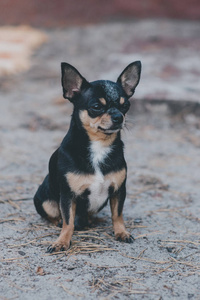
(89, 169)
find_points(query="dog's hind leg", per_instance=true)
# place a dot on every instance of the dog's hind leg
(47, 207)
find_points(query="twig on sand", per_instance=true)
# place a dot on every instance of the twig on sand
(12, 258)
(182, 241)
(69, 292)
(118, 285)
(11, 220)
(32, 241)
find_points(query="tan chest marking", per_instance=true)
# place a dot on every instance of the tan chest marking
(79, 182)
(116, 178)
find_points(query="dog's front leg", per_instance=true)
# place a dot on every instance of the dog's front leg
(116, 205)
(68, 211)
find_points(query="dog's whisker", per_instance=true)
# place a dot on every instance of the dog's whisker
(130, 120)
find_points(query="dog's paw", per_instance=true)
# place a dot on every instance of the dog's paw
(58, 246)
(124, 237)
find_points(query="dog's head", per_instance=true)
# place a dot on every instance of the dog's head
(100, 105)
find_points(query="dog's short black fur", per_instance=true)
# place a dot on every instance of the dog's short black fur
(89, 168)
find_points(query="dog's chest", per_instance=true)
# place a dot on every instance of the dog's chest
(98, 191)
(100, 183)
(98, 153)
(96, 184)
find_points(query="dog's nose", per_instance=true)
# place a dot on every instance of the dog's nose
(117, 118)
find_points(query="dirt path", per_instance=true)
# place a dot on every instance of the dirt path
(162, 208)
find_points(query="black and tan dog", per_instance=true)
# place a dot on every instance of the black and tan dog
(89, 168)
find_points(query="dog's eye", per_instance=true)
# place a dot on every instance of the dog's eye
(96, 110)
(97, 106)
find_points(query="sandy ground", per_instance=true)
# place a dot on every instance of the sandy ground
(162, 207)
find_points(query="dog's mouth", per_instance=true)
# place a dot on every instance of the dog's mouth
(110, 130)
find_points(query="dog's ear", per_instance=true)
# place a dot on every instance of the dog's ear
(130, 78)
(72, 81)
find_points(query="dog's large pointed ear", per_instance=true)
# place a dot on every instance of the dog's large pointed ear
(72, 81)
(130, 78)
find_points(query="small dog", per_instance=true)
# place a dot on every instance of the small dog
(89, 168)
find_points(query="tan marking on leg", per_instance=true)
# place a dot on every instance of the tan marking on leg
(118, 223)
(103, 101)
(63, 241)
(51, 208)
(122, 100)
(116, 178)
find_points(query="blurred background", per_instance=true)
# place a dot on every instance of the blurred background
(68, 12)
(101, 37)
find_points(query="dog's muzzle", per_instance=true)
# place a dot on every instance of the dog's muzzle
(116, 121)
(117, 118)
